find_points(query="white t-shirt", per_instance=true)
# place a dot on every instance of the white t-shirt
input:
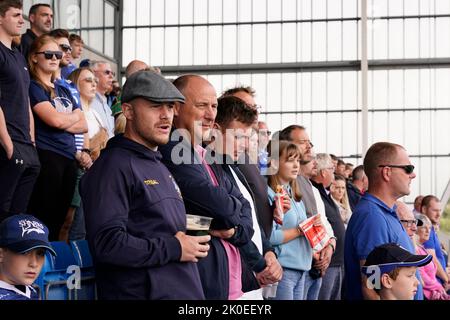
(94, 122)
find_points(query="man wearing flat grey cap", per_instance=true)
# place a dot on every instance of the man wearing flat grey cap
(135, 216)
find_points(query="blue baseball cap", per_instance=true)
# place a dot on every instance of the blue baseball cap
(22, 233)
(390, 256)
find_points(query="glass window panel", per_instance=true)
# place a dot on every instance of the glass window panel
(425, 7)
(442, 179)
(274, 94)
(349, 44)
(412, 121)
(187, 10)
(243, 79)
(395, 39)
(129, 12)
(304, 93)
(395, 127)
(412, 38)
(109, 15)
(425, 129)
(157, 47)
(200, 45)
(274, 43)
(334, 134)
(128, 50)
(424, 172)
(334, 88)
(350, 89)
(411, 7)
(442, 37)
(441, 130)
(395, 7)
(26, 6)
(245, 41)
(305, 120)
(318, 86)
(171, 46)
(245, 10)
(289, 42)
(259, 84)
(274, 10)
(334, 50)
(378, 97)
(304, 9)
(95, 39)
(109, 42)
(304, 45)
(350, 8)
(426, 25)
(334, 9)
(143, 45)
(230, 10)
(318, 134)
(442, 92)
(156, 12)
(171, 11)
(288, 92)
(377, 8)
(215, 10)
(378, 126)
(274, 122)
(215, 45)
(200, 11)
(319, 41)
(84, 13)
(378, 46)
(289, 9)
(259, 10)
(411, 88)
(96, 15)
(319, 9)
(424, 87)
(287, 120)
(395, 89)
(229, 41)
(259, 44)
(228, 81)
(68, 14)
(186, 37)
(349, 134)
(216, 81)
(442, 6)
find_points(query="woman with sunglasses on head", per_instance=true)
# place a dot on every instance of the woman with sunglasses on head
(57, 118)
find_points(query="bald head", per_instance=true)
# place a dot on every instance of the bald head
(135, 66)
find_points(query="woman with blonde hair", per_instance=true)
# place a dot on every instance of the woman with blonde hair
(338, 191)
(57, 118)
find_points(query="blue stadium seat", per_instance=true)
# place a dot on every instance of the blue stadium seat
(83, 257)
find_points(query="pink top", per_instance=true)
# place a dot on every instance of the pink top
(233, 255)
(428, 274)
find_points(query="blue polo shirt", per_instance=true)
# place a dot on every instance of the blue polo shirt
(372, 224)
(435, 244)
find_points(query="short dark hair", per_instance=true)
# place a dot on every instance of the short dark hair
(349, 165)
(334, 157)
(59, 33)
(285, 134)
(358, 173)
(427, 200)
(231, 108)
(249, 90)
(74, 37)
(6, 4)
(35, 7)
(340, 162)
(379, 153)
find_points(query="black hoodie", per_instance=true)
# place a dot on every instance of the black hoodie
(133, 209)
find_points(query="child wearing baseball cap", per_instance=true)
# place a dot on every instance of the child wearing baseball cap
(23, 243)
(391, 271)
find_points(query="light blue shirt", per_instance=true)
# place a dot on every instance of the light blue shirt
(100, 105)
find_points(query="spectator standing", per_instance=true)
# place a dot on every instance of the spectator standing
(41, 21)
(338, 192)
(76, 44)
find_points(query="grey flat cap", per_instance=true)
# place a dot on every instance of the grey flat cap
(151, 86)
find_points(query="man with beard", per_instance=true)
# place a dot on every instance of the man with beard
(135, 217)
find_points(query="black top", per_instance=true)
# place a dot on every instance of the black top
(334, 217)
(14, 83)
(354, 195)
(25, 42)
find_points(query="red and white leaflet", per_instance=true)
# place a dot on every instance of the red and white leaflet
(315, 233)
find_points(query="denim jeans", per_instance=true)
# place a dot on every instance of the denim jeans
(312, 287)
(332, 284)
(291, 285)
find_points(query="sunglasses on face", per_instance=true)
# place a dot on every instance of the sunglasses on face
(65, 47)
(410, 223)
(408, 168)
(49, 54)
(108, 72)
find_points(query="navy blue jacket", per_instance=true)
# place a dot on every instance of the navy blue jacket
(224, 203)
(354, 195)
(133, 209)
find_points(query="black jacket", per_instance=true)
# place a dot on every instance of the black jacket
(25, 43)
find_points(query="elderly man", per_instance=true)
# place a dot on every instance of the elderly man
(136, 224)
(41, 21)
(375, 222)
(406, 217)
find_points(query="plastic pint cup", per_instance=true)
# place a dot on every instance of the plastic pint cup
(197, 225)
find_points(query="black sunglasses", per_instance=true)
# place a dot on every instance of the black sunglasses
(409, 168)
(65, 47)
(49, 54)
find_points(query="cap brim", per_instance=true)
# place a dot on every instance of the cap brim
(412, 261)
(25, 246)
(161, 100)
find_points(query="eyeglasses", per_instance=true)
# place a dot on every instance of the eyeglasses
(65, 47)
(90, 80)
(49, 54)
(108, 72)
(265, 132)
(410, 223)
(409, 168)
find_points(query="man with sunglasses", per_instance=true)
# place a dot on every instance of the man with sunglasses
(374, 221)
(19, 162)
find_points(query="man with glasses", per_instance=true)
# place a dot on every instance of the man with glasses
(41, 21)
(374, 221)
(19, 162)
(76, 48)
(105, 75)
(406, 217)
